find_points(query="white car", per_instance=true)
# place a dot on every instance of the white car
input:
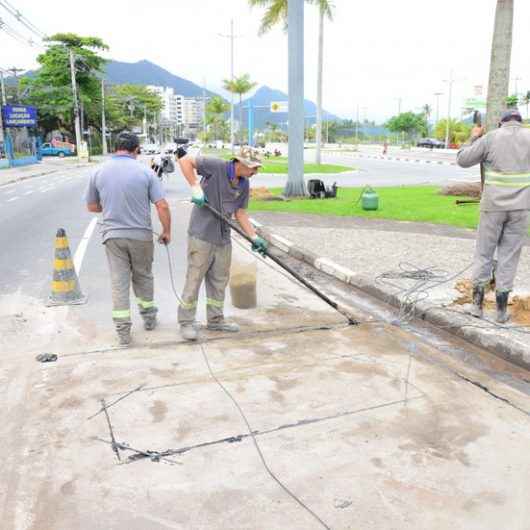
(151, 149)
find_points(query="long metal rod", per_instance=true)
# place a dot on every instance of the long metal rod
(284, 266)
(114, 445)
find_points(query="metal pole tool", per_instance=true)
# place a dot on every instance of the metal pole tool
(285, 267)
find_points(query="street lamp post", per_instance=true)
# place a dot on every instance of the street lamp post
(357, 127)
(103, 120)
(76, 104)
(450, 82)
(438, 94)
(232, 128)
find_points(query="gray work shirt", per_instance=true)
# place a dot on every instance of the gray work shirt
(223, 193)
(505, 153)
(125, 188)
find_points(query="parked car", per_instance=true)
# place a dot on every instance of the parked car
(150, 149)
(432, 143)
(49, 150)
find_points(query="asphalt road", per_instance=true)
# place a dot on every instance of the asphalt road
(32, 210)
(378, 172)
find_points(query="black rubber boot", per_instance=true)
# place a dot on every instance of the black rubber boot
(478, 301)
(502, 306)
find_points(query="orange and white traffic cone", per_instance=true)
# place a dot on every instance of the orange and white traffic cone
(65, 284)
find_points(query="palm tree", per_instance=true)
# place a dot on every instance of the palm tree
(325, 10)
(277, 13)
(239, 85)
(215, 110)
(501, 51)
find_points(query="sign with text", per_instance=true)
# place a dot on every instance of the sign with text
(279, 106)
(19, 116)
(475, 103)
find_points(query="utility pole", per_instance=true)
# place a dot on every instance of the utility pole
(76, 104)
(3, 87)
(399, 105)
(4, 102)
(15, 70)
(231, 37)
(450, 83)
(103, 121)
(438, 94)
(295, 36)
(204, 109)
(515, 79)
(357, 127)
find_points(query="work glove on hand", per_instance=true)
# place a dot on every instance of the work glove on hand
(259, 245)
(197, 195)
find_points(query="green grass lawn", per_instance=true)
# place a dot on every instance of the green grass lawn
(279, 164)
(404, 203)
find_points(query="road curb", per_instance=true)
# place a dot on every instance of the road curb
(464, 326)
(393, 158)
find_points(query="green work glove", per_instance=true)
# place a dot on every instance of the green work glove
(260, 245)
(197, 195)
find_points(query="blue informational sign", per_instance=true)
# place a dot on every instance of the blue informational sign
(19, 116)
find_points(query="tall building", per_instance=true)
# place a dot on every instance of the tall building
(184, 114)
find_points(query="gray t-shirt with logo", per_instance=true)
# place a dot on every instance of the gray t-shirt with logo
(125, 188)
(225, 195)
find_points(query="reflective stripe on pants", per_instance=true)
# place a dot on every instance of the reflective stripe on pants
(210, 263)
(130, 259)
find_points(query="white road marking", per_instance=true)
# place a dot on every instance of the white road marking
(83, 244)
(10, 191)
(12, 199)
(29, 192)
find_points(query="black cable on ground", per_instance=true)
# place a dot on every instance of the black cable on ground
(242, 414)
(256, 445)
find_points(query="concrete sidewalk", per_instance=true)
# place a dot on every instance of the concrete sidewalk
(375, 256)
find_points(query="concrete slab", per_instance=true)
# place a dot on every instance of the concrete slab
(329, 413)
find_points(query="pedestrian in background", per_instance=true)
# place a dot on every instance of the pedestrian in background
(122, 189)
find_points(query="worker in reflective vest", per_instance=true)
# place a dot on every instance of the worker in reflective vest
(504, 206)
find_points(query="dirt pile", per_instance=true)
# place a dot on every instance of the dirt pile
(263, 194)
(519, 305)
(463, 189)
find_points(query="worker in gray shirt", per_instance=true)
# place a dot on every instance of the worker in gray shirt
(224, 185)
(505, 153)
(123, 190)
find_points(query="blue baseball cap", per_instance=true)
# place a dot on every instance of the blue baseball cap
(511, 114)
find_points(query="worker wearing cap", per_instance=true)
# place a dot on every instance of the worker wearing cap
(505, 153)
(225, 186)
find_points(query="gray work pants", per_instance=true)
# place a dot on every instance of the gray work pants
(504, 231)
(130, 259)
(210, 263)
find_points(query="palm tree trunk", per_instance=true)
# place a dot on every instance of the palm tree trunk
(318, 158)
(501, 51)
(295, 181)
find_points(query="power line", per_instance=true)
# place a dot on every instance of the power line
(21, 18)
(16, 35)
